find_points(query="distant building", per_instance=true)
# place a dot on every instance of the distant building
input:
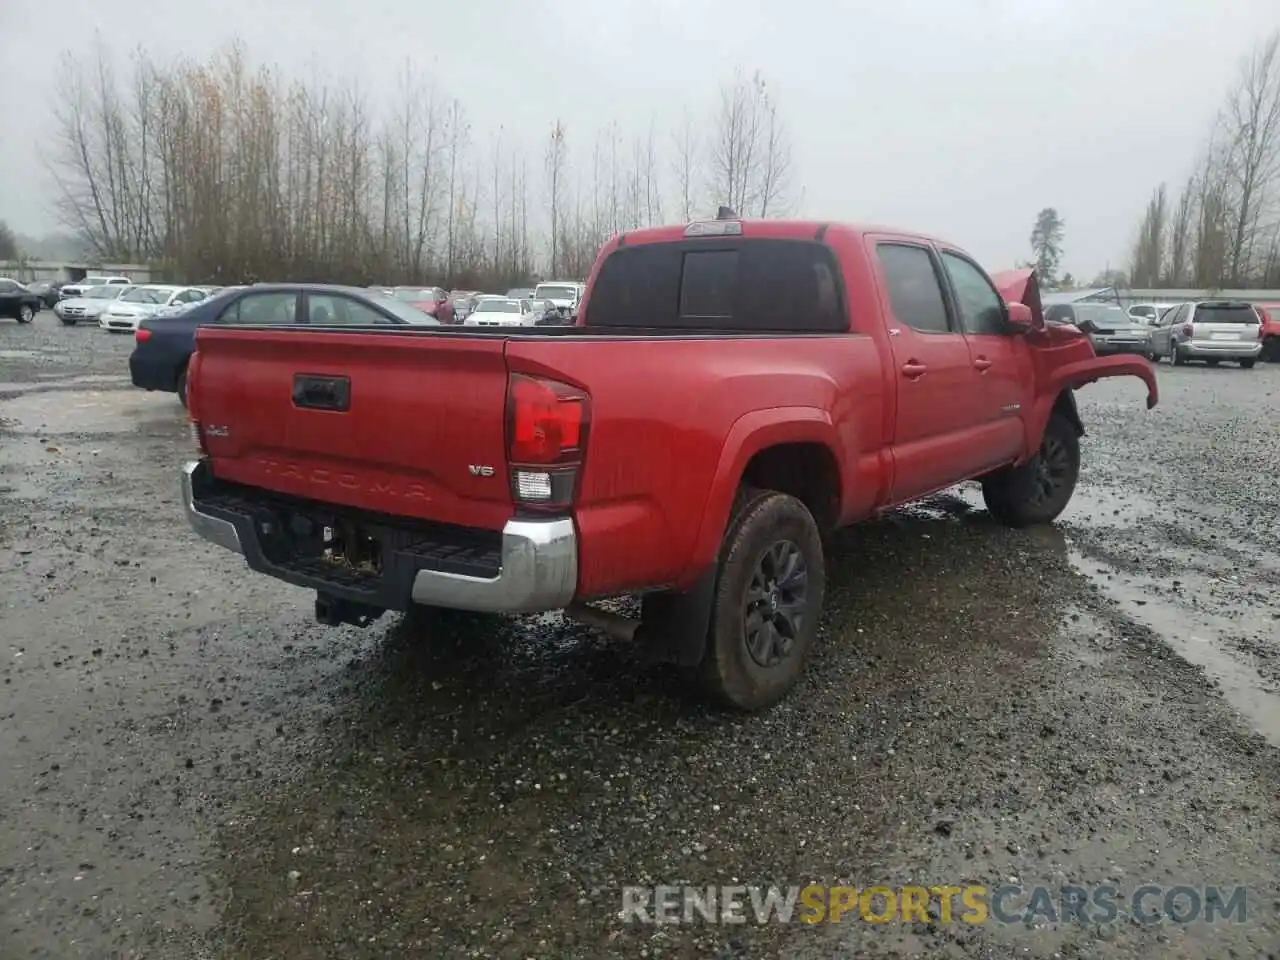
(1126, 296)
(55, 271)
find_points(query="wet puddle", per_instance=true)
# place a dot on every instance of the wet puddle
(1090, 506)
(60, 412)
(54, 381)
(1198, 636)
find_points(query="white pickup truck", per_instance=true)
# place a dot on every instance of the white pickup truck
(564, 295)
(77, 289)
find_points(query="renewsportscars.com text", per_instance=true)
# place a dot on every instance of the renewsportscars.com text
(969, 904)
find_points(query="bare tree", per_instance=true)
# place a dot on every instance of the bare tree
(1148, 253)
(736, 148)
(686, 165)
(457, 131)
(1180, 237)
(1212, 222)
(557, 158)
(647, 162)
(775, 161)
(1251, 122)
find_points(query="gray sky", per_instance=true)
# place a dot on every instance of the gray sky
(960, 119)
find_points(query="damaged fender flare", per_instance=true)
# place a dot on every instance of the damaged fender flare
(1071, 376)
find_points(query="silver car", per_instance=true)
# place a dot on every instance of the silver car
(90, 305)
(1110, 328)
(1210, 330)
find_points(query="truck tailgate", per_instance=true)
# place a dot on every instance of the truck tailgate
(423, 420)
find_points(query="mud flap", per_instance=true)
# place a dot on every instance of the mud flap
(673, 626)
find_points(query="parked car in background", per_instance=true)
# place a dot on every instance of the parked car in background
(1210, 330)
(163, 345)
(1269, 313)
(179, 304)
(17, 302)
(46, 290)
(464, 301)
(1110, 329)
(145, 300)
(77, 288)
(1149, 314)
(89, 306)
(564, 294)
(548, 315)
(502, 312)
(433, 301)
(521, 293)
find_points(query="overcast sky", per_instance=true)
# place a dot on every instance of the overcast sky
(960, 119)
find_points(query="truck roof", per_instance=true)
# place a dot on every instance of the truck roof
(776, 229)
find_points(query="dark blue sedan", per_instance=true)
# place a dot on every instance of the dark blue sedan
(164, 343)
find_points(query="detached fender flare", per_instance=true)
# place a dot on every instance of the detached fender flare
(1072, 376)
(751, 433)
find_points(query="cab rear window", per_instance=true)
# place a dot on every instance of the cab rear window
(742, 285)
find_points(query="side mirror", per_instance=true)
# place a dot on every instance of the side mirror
(1022, 320)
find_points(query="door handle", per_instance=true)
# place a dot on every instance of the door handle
(322, 393)
(982, 364)
(913, 370)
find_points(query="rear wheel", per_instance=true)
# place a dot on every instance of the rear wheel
(1040, 489)
(767, 600)
(1247, 364)
(181, 386)
(25, 313)
(1175, 357)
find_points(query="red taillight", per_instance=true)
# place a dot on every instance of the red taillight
(1187, 330)
(546, 435)
(141, 336)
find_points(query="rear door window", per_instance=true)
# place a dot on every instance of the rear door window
(721, 285)
(262, 308)
(914, 291)
(334, 310)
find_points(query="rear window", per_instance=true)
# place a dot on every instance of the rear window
(1102, 316)
(1225, 313)
(744, 285)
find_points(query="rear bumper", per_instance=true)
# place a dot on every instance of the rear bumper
(153, 374)
(1220, 349)
(536, 566)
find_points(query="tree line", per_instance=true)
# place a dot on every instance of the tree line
(221, 170)
(1221, 228)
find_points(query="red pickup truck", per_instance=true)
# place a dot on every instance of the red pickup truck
(733, 391)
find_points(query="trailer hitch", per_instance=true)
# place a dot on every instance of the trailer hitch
(334, 611)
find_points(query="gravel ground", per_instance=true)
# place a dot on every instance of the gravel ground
(193, 768)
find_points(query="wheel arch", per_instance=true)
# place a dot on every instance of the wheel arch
(794, 450)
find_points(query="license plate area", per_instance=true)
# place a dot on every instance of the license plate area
(337, 549)
(1224, 336)
(347, 544)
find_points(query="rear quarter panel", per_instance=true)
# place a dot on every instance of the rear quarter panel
(673, 422)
